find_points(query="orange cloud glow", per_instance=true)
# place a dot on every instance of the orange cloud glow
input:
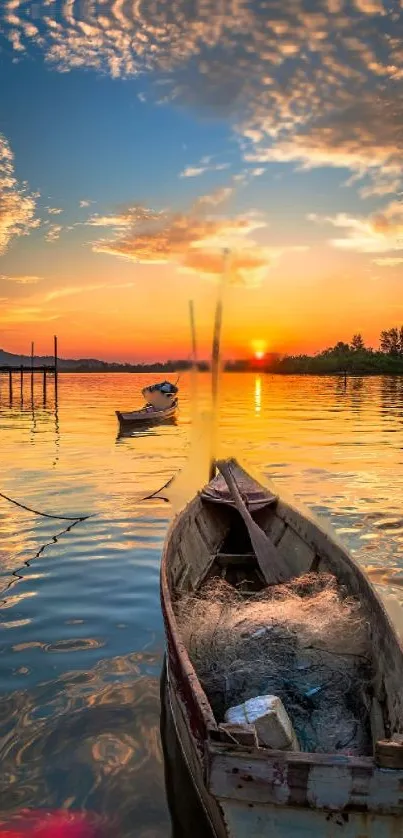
(17, 205)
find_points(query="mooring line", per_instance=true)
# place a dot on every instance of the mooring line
(46, 514)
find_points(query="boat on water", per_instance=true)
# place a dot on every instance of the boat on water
(161, 406)
(246, 789)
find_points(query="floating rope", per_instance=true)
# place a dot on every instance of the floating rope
(17, 574)
(155, 495)
(46, 514)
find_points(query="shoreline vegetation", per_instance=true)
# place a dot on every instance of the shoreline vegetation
(353, 358)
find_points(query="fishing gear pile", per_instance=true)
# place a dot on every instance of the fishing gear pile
(305, 642)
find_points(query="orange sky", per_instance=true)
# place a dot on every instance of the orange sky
(301, 306)
(134, 156)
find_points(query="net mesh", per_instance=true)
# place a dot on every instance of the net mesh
(304, 641)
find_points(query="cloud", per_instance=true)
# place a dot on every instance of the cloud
(194, 241)
(54, 210)
(86, 203)
(364, 136)
(60, 293)
(53, 233)
(389, 261)
(27, 314)
(125, 219)
(17, 204)
(310, 82)
(379, 233)
(204, 166)
(213, 199)
(21, 279)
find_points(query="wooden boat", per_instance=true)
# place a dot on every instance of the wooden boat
(148, 416)
(254, 792)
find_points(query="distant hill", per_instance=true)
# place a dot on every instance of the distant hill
(93, 364)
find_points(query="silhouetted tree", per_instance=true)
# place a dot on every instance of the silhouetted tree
(357, 343)
(391, 342)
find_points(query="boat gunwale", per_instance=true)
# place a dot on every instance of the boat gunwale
(190, 679)
(208, 729)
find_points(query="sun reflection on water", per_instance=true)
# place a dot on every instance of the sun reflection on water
(258, 394)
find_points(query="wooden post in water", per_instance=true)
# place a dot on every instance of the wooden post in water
(10, 385)
(56, 363)
(32, 371)
(22, 383)
(44, 385)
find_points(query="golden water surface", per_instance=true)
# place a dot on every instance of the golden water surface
(81, 636)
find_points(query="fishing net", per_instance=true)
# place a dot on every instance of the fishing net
(304, 641)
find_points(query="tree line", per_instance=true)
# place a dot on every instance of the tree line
(349, 357)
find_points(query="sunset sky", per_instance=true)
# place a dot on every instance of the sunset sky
(139, 139)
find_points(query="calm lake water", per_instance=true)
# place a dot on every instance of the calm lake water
(81, 635)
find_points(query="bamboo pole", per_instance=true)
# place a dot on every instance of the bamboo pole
(215, 358)
(22, 383)
(193, 331)
(10, 385)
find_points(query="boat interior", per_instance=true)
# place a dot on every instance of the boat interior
(210, 539)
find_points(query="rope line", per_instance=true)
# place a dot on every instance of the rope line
(46, 514)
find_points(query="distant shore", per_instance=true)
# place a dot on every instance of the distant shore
(251, 369)
(343, 359)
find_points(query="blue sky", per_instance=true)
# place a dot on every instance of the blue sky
(278, 136)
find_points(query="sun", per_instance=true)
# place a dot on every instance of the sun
(259, 349)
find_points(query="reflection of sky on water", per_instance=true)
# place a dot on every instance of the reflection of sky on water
(91, 740)
(81, 636)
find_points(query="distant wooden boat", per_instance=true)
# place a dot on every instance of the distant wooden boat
(251, 792)
(148, 415)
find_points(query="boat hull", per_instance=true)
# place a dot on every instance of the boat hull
(256, 793)
(145, 418)
(229, 817)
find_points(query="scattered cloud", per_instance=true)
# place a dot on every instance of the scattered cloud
(85, 203)
(54, 210)
(312, 83)
(124, 219)
(204, 166)
(194, 241)
(379, 233)
(27, 314)
(380, 187)
(389, 261)
(17, 204)
(213, 199)
(60, 293)
(21, 279)
(53, 233)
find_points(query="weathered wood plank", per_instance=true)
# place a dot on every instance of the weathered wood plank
(259, 821)
(231, 559)
(296, 552)
(319, 781)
